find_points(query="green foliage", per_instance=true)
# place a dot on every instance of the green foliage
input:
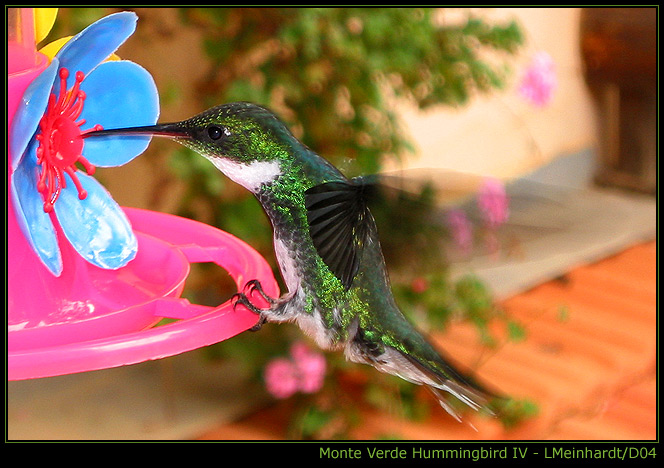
(396, 396)
(313, 420)
(513, 412)
(332, 73)
(476, 301)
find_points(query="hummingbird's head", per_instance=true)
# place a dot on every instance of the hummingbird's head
(241, 132)
(245, 141)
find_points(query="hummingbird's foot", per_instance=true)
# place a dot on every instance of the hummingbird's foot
(241, 298)
(255, 285)
(259, 324)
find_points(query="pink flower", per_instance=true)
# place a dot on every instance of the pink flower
(462, 231)
(304, 372)
(311, 368)
(539, 80)
(493, 203)
(281, 378)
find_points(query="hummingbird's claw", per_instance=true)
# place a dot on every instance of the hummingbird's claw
(255, 285)
(241, 298)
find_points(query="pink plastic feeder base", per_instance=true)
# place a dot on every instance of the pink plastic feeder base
(108, 319)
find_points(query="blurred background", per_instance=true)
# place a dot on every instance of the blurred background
(542, 100)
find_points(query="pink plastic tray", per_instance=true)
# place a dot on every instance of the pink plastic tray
(108, 318)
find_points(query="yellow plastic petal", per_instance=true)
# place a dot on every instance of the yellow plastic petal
(52, 48)
(44, 19)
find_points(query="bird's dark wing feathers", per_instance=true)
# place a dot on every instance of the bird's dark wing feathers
(338, 223)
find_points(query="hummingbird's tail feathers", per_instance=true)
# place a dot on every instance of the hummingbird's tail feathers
(466, 395)
(439, 382)
(443, 401)
(451, 381)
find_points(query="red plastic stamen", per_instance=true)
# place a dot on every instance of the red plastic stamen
(60, 142)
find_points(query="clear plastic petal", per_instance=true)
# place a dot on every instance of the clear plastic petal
(119, 94)
(96, 227)
(96, 43)
(30, 111)
(30, 216)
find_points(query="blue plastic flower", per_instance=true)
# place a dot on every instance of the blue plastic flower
(79, 92)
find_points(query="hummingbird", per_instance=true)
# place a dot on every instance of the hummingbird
(326, 245)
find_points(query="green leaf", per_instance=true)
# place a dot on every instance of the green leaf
(515, 331)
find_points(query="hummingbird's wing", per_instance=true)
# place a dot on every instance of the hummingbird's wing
(338, 224)
(437, 216)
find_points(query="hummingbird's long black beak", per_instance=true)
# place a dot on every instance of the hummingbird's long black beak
(173, 130)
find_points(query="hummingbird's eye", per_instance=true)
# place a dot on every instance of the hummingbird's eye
(214, 132)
